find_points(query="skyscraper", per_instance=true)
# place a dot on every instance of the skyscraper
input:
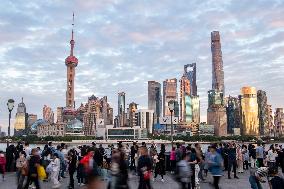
(131, 112)
(270, 121)
(216, 112)
(121, 109)
(71, 62)
(155, 99)
(217, 63)
(169, 93)
(32, 118)
(59, 114)
(185, 100)
(233, 110)
(47, 114)
(250, 120)
(190, 74)
(21, 120)
(279, 122)
(262, 113)
(145, 119)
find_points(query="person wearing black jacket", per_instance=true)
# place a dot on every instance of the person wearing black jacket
(133, 152)
(72, 158)
(232, 160)
(160, 165)
(144, 169)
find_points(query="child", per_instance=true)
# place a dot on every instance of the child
(257, 177)
(275, 182)
(2, 164)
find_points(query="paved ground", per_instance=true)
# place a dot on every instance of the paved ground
(169, 183)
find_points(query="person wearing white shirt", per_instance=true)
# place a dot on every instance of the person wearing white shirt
(55, 171)
(271, 157)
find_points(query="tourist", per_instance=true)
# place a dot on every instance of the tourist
(215, 164)
(192, 163)
(55, 171)
(80, 172)
(206, 159)
(72, 163)
(10, 157)
(133, 155)
(245, 153)
(232, 160)
(252, 153)
(173, 159)
(33, 163)
(259, 155)
(2, 164)
(20, 165)
(240, 159)
(178, 153)
(144, 169)
(160, 163)
(200, 163)
(27, 149)
(275, 182)
(257, 177)
(107, 156)
(62, 162)
(184, 172)
(271, 157)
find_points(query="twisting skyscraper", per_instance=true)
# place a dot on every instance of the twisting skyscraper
(71, 62)
(217, 63)
(216, 113)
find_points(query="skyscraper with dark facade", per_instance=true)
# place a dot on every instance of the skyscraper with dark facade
(263, 113)
(121, 109)
(216, 112)
(233, 110)
(190, 74)
(155, 99)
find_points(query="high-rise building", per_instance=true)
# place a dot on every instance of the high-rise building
(185, 100)
(48, 114)
(145, 119)
(59, 114)
(262, 113)
(121, 109)
(279, 122)
(32, 118)
(250, 120)
(170, 93)
(190, 74)
(270, 121)
(21, 120)
(233, 110)
(96, 113)
(216, 112)
(131, 112)
(217, 63)
(155, 99)
(71, 62)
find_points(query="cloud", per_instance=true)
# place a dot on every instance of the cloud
(121, 44)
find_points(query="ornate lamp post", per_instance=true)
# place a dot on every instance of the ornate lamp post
(10, 105)
(171, 105)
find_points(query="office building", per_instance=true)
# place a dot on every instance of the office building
(21, 119)
(47, 114)
(216, 112)
(121, 109)
(270, 121)
(233, 109)
(262, 113)
(145, 119)
(59, 114)
(250, 119)
(131, 114)
(279, 122)
(155, 99)
(170, 93)
(190, 74)
(185, 100)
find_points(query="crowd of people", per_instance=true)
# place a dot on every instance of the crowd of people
(187, 164)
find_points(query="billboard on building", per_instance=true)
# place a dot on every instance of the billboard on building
(206, 129)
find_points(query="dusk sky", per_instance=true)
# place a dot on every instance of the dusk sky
(121, 44)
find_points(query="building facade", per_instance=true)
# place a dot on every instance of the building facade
(263, 113)
(155, 99)
(51, 129)
(131, 114)
(233, 109)
(279, 122)
(145, 119)
(270, 117)
(121, 109)
(59, 114)
(190, 74)
(47, 114)
(250, 119)
(170, 93)
(21, 119)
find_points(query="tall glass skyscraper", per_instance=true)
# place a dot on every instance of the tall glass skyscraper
(121, 109)
(155, 99)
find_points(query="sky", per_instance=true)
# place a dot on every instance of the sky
(121, 44)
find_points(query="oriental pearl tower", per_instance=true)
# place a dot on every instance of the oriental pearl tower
(71, 62)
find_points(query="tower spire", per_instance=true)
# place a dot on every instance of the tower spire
(72, 42)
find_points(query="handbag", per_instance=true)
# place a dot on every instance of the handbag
(147, 175)
(41, 172)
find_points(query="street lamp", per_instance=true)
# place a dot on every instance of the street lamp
(171, 105)
(10, 105)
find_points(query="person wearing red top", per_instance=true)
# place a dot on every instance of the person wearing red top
(2, 164)
(173, 159)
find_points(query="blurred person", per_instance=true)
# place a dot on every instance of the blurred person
(55, 163)
(215, 164)
(20, 164)
(257, 177)
(240, 159)
(232, 160)
(252, 156)
(271, 157)
(72, 162)
(192, 163)
(173, 159)
(144, 169)
(160, 164)
(259, 154)
(2, 164)
(245, 153)
(33, 163)
(133, 156)
(275, 181)
(184, 172)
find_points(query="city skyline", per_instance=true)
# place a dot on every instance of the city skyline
(130, 54)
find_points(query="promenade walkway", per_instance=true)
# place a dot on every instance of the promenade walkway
(242, 183)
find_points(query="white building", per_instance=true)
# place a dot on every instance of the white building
(145, 119)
